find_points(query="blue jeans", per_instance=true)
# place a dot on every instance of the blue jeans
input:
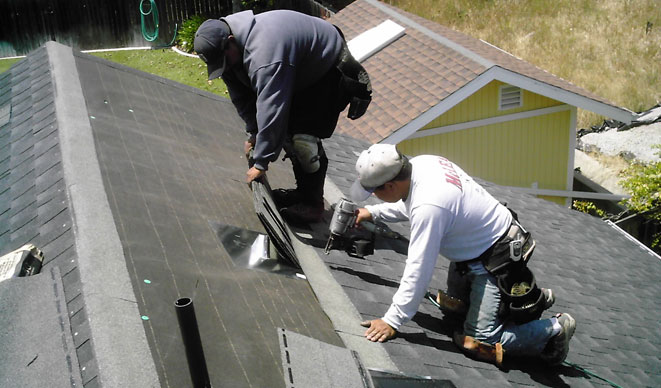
(482, 321)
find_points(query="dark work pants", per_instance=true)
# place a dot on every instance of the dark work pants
(315, 111)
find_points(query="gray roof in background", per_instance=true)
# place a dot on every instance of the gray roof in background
(170, 161)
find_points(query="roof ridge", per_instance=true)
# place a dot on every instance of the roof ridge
(433, 35)
(111, 310)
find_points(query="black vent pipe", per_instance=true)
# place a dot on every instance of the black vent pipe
(191, 336)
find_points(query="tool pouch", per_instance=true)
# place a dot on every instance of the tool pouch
(355, 85)
(507, 260)
(523, 300)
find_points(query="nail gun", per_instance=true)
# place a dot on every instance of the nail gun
(344, 219)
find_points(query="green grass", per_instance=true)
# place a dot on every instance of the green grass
(168, 64)
(611, 48)
(5, 64)
(165, 63)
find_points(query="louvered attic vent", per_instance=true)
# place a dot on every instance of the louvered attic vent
(509, 97)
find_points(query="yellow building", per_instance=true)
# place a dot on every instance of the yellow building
(438, 91)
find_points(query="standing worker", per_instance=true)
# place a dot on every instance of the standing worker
(453, 215)
(289, 75)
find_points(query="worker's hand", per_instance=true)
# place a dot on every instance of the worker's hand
(363, 215)
(247, 146)
(378, 330)
(254, 173)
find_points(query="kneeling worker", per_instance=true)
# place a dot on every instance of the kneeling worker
(453, 215)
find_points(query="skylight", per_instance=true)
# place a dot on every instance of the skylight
(374, 39)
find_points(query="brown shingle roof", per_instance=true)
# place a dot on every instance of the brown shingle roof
(416, 72)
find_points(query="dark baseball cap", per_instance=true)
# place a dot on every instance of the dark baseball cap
(210, 43)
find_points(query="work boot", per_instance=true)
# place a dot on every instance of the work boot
(286, 197)
(303, 213)
(557, 348)
(549, 298)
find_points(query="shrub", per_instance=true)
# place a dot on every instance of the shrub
(588, 208)
(258, 6)
(643, 181)
(186, 34)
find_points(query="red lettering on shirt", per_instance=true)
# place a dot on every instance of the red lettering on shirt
(451, 175)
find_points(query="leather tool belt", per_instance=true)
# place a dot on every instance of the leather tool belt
(513, 249)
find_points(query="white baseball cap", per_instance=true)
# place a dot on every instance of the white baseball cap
(377, 165)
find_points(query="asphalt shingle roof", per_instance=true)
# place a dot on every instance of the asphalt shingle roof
(171, 163)
(34, 206)
(171, 167)
(607, 281)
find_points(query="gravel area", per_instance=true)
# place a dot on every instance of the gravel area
(635, 143)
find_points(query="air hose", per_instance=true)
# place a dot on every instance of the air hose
(587, 372)
(152, 11)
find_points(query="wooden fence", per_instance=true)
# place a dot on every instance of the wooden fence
(94, 24)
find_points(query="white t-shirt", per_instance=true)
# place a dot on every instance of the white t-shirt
(450, 214)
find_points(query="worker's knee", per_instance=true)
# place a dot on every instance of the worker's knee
(307, 152)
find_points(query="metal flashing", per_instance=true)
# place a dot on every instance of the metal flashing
(252, 250)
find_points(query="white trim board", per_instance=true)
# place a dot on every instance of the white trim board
(631, 238)
(443, 106)
(489, 121)
(566, 96)
(374, 39)
(499, 74)
(568, 193)
(572, 147)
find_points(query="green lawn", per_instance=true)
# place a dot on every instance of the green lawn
(168, 64)
(5, 64)
(164, 62)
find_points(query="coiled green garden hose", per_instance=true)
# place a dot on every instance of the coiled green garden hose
(151, 36)
(153, 11)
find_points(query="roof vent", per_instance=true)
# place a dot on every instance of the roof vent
(509, 97)
(374, 39)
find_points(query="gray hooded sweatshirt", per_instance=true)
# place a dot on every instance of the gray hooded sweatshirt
(283, 52)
